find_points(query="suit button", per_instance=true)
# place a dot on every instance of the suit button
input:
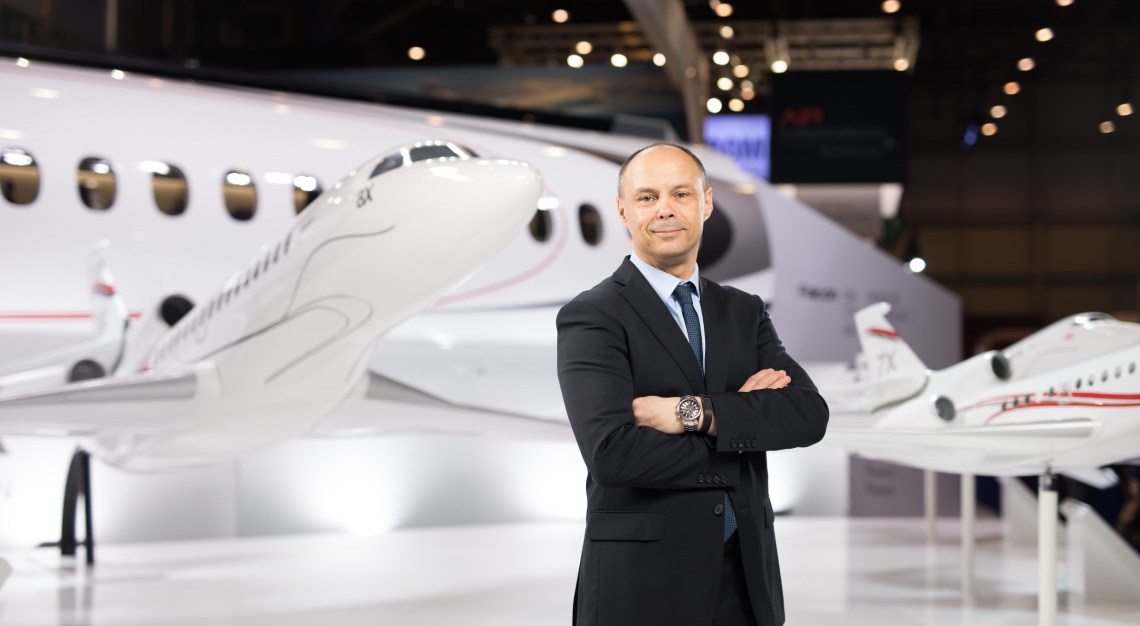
(716, 479)
(700, 479)
(718, 509)
(732, 444)
(747, 444)
(754, 444)
(724, 479)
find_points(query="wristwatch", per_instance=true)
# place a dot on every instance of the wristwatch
(689, 412)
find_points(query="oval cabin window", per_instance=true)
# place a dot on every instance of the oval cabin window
(96, 181)
(19, 176)
(305, 190)
(591, 222)
(240, 195)
(541, 225)
(171, 192)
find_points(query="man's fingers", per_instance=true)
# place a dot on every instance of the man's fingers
(766, 379)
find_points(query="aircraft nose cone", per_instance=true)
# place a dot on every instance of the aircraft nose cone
(508, 190)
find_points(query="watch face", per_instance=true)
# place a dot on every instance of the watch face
(688, 409)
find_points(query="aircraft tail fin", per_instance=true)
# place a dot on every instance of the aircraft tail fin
(887, 355)
(109, 312)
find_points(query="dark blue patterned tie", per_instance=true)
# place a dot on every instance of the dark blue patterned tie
(684, 295)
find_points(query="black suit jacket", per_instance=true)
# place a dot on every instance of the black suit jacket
(654, 533)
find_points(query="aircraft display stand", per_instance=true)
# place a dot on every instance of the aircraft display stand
(78, 485)
(1047, 550)
(969, 541)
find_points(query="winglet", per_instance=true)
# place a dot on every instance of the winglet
(888, 356)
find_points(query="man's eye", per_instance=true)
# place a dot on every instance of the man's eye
(645, 198)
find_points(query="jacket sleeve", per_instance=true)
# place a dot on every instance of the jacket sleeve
(597, 388)
(770, 419)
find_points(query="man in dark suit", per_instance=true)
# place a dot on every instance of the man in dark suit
(675, 388)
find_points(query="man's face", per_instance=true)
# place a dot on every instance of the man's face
(660, 205)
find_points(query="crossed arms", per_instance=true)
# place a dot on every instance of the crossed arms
(632, 441)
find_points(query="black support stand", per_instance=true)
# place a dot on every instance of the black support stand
(78, 485)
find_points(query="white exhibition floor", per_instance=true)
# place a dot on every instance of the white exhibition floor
(837, 571)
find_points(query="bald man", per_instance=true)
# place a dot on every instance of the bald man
(676, 387)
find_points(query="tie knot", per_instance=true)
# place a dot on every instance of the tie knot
(684, 290)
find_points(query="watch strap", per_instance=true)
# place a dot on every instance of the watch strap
(709, 413)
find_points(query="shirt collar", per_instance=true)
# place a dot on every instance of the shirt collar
(663, 282)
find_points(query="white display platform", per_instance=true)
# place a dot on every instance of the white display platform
(836, 571)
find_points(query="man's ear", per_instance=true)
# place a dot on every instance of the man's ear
(621, 211)
(708, 203)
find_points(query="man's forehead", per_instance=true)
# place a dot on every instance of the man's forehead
(671, 163)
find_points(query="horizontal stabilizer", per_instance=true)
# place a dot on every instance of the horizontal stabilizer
(380, 406)
(140, 403)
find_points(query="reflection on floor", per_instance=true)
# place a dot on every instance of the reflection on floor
(836, 572)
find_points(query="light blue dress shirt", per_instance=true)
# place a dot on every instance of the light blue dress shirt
(664, 283)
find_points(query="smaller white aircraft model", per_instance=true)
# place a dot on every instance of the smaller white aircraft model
(1063, 400)
(285, 343)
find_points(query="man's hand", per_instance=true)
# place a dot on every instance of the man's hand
(766, 379)
(661, 413)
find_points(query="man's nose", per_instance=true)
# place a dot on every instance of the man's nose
(664, 210)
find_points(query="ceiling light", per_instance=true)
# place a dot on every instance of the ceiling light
(574, 61)
(1107, 127)
(560, 15)
(902, 65)
(659, 60)
(736, 105)
(1026, 64)
(915, 265)
(415, 53)
(779, 66)
(989, 129)
(740, 71)
(727, 32)
(1064, 3)
(747, 93)
(690, 72)
(720, 57)
(891, 6)
(724, 83)
(1124, 109)
(619, 60)
(714, 105)
(723, 9)
(584, 47)
(1012, 88)
(998, 112)
(1045, 34)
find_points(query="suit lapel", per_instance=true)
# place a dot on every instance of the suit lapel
(660, 322)
(715, 311)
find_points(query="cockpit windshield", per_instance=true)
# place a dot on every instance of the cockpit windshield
(422, 151)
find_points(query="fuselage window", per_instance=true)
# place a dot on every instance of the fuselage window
(240, 195)
(1131, 367)
(1092, 379)
(96, 181)
(19, 176)
(276, 252)
(305, 189)
(541, 225)
(171, 193)
(591, 222)
(1117, 371)
(390, 162)
(1078, 383)
(1104, 376)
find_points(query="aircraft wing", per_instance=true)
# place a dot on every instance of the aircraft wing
(1001, 440)
(137, 404)
(380, 406)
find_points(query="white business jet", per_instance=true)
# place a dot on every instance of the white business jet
(287, 338)
(1065, 399)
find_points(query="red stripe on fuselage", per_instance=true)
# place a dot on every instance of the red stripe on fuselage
(53, 317)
